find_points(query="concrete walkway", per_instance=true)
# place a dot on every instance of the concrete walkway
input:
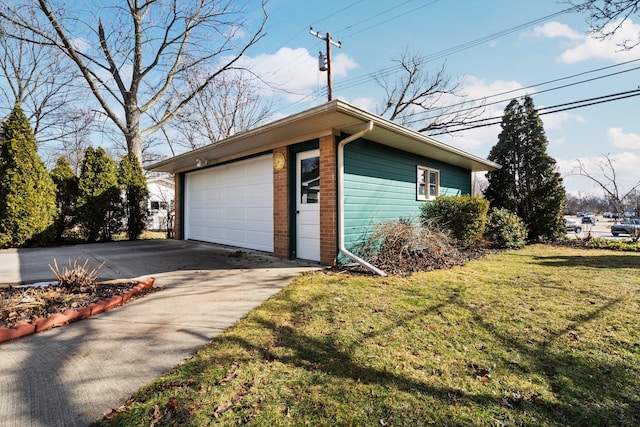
(71, 376)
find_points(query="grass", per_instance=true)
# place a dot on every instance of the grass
(543, 336)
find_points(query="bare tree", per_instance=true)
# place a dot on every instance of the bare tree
(607, 179)
(76, 131)
(135, 55)
(41, 81)
(423, 100)
(230, 105)
(607, 16)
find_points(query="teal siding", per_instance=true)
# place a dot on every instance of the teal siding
(380, 185)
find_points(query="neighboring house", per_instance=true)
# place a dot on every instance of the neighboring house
(312, 185)
(161, 203)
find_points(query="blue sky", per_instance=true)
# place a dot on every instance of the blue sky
(373, 32)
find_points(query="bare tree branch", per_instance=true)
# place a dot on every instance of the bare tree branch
(423, 100)
(607, 179)
(607, 16)
(230, 105)
(136, 57)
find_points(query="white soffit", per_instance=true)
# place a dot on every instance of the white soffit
(324, 120)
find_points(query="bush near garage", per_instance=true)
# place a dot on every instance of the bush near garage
(506, 229)
(402, 247)
(463, 216)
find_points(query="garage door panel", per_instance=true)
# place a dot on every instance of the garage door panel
(232, 204)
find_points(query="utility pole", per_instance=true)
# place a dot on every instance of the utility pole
(325, 61)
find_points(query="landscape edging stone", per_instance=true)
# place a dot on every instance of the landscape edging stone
(68, 316)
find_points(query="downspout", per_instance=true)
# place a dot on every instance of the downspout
(341, 246)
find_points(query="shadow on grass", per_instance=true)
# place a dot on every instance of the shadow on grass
(587, 390)
(590, 389)
(594, 261)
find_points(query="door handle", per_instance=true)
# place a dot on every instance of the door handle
(297, 212)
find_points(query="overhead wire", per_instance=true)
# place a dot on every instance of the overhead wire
(547, 110)
(421, 119)
(358, 80)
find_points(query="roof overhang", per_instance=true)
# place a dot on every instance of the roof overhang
(333, 118)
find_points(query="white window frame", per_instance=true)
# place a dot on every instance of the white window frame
(423, 172)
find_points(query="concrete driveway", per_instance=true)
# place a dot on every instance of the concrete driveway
(71, 376)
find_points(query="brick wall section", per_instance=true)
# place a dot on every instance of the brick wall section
(328, 203)
(178, 215)
(281, 207)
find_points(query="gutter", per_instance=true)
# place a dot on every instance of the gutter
(341, 245)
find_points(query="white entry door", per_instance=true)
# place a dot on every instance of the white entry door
(308, 205)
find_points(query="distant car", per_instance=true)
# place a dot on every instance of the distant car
(627, 226)
(588, 219)
(573, 225)
(580, 214)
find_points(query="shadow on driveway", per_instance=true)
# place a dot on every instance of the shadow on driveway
(71, 376)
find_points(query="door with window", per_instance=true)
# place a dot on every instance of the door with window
(308, 205)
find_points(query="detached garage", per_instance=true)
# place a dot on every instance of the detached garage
(312, 185)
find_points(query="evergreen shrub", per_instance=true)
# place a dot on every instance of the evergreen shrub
(464, 217)
(27, 192)
(506, 229)
(135, 195)
(99, 203)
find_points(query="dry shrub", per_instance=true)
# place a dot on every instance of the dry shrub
(403, 247)
(75, 275)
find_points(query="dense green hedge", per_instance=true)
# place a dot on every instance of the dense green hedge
(506, 229)
(463, 216)
(27, 192)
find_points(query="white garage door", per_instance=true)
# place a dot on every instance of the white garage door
(232, 204)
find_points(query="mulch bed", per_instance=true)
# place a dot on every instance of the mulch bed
(20, 305)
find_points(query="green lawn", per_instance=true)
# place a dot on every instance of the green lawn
(540, 336)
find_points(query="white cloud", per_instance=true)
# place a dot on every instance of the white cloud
(619, 139)
(295, 71)
(475, 87)
(341, 64)
(556, 120)
(367, 104)
(558, 142)
(587, 47)
(480, 140)
(557, 29)
(81, 45)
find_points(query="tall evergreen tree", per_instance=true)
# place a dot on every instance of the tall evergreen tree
(136, 194)
(27, 193)
(99, 206)
(528, 183)
(66, 183)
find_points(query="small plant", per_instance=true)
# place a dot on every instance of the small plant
(506, 229)
(75, 275)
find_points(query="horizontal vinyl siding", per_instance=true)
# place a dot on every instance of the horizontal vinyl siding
(380, 185)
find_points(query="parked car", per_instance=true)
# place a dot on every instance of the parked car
(573, 225)
(589, 219)
(627, 226)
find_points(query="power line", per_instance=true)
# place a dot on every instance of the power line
(420, 119)
(551, 109)
(355, 81)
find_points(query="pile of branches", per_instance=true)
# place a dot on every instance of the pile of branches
(404, 247)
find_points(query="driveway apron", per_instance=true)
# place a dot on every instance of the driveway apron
(73, 375)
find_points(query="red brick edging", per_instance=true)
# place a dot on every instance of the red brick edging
(59, 319)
